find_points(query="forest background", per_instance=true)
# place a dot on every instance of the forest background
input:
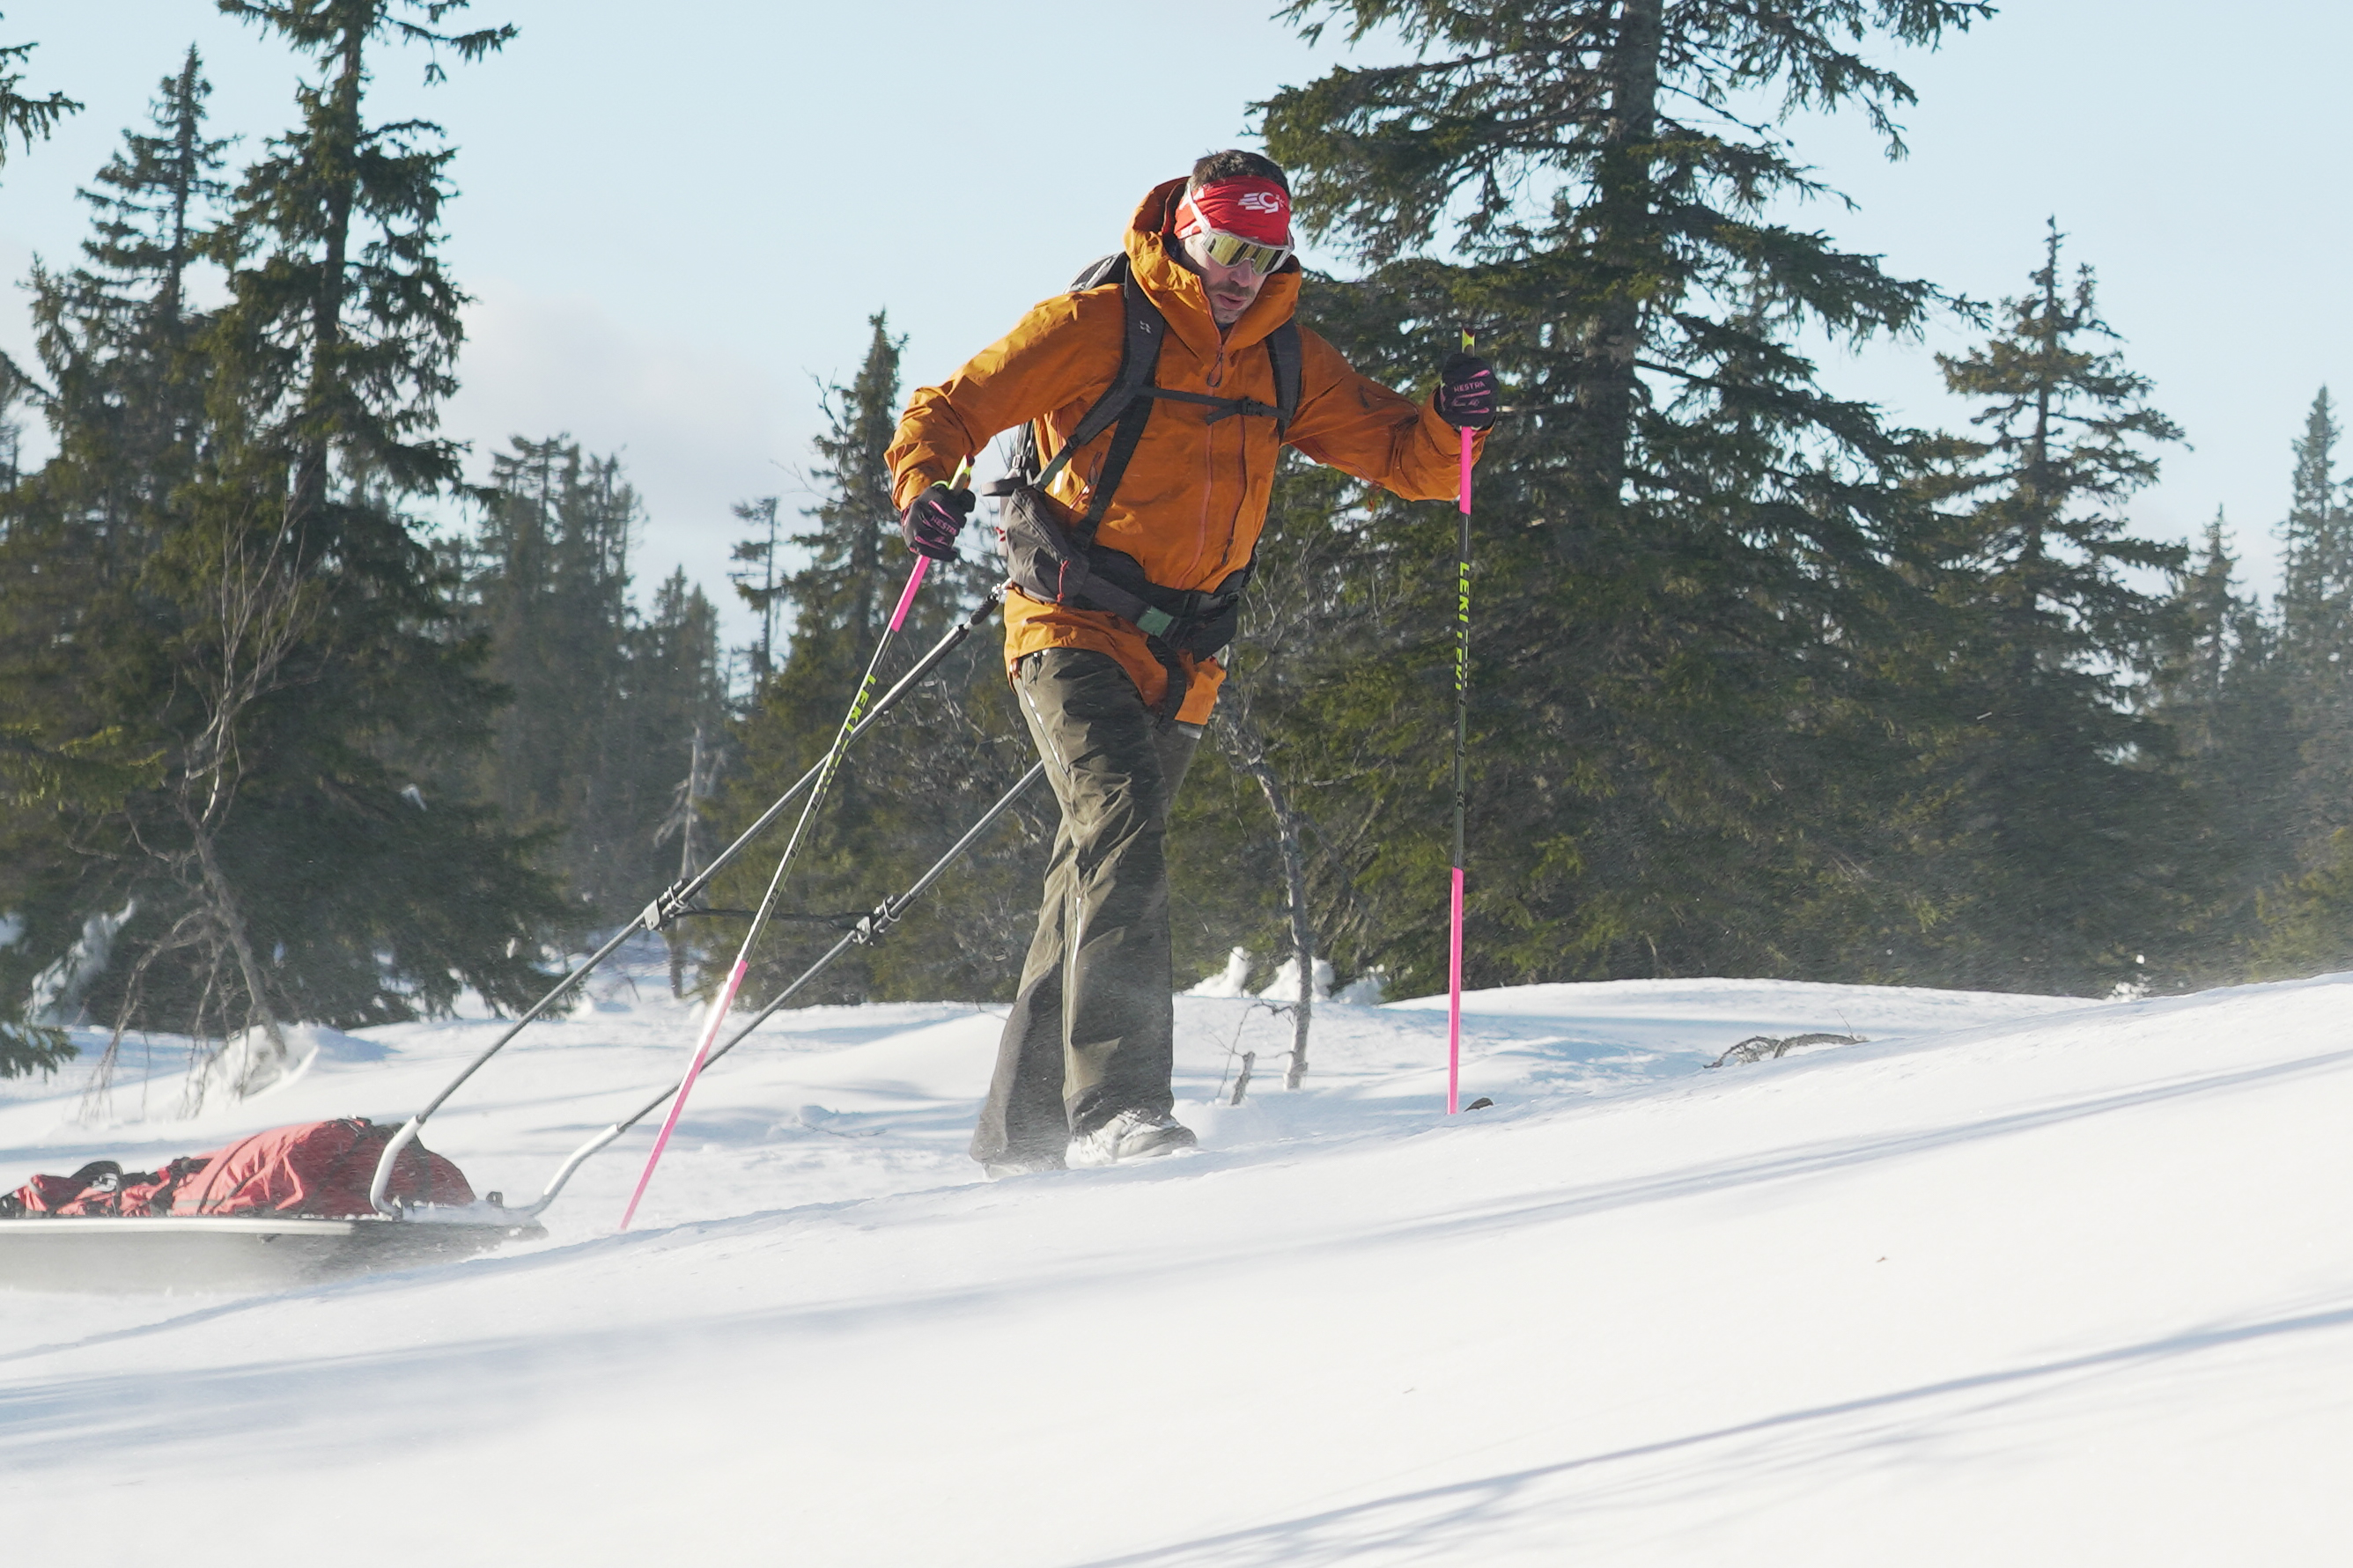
(310, 714)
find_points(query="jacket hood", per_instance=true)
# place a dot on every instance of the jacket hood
(1176, 289)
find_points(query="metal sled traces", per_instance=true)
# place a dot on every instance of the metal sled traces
(229, 1253)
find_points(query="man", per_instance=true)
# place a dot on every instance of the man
(1145, 540)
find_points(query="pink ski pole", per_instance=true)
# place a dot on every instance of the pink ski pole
(1462, 788)
(726, 997)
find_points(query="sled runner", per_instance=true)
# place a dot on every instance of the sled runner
(171, 1252)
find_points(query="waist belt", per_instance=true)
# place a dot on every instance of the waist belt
(1046, 560)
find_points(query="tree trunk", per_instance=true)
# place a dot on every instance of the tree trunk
(223, 900)
(686, 857)
(1250, 753)
(1609, 392)
(311, 472)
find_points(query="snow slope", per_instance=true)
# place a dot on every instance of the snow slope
(2023, 1280)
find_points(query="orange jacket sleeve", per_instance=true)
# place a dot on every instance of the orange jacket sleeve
(1064, 350)
(1361, 427)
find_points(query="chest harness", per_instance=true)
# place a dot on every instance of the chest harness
(1055, 558)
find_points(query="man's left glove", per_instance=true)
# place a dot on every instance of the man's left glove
(1468, 392)
(933, 520)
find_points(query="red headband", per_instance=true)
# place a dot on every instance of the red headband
(1258, 210)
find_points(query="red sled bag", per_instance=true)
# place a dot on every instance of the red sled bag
(317, 1168)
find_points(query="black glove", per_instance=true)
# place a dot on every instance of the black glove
(1468, 392)
(933, 520)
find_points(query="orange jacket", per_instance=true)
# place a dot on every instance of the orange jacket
(1193, 501)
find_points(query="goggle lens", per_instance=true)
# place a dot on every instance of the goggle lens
(1232, 250)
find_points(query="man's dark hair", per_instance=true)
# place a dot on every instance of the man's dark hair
(1233, 163)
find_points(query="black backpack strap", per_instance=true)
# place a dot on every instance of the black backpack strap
(1024, 468)
(1226, 407)
(1124, 442)
(1141, 332)
(1282, 348)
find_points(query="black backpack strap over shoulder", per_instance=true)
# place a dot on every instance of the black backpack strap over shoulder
(1025, 466)
(1128, 402)
(1282, 348)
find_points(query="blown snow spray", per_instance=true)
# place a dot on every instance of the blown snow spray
(725, 1000)
(1461, 742)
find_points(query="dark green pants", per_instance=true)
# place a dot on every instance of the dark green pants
(1093, 1027)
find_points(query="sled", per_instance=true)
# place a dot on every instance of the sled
(203, 1253)
(282, 1207)
(105, 1230)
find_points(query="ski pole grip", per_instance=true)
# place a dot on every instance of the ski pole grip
(1462, 434)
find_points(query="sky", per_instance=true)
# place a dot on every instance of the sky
(675, 222)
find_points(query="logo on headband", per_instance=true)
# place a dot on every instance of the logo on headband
(1253, 209)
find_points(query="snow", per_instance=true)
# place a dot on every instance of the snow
(2021, 1279)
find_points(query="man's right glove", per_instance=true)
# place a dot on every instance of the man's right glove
(933, 520)
(1467, 392)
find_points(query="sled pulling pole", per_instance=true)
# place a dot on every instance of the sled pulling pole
(831, 765)
(869, 929)
(674, 901)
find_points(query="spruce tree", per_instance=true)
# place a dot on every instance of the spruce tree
(842, 585)
(2306, 916)
(2063, 817)
(2220, 687)
(118, 338)
(2316, 600)
(679, 687)
(2194, 666)
(553, 595)
(1687, 609)
(40, 780)
(83, 626)
(2315, 617)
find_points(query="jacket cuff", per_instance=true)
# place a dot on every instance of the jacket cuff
(912, 482)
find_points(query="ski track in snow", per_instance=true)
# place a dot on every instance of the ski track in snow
(2025, 1280)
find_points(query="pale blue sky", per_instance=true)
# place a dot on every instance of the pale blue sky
(674, 218)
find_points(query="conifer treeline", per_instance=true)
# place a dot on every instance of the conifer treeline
(592, 749)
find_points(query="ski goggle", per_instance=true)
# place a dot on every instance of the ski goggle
(1233, 250)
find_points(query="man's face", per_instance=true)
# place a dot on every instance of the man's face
(1230, 288)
